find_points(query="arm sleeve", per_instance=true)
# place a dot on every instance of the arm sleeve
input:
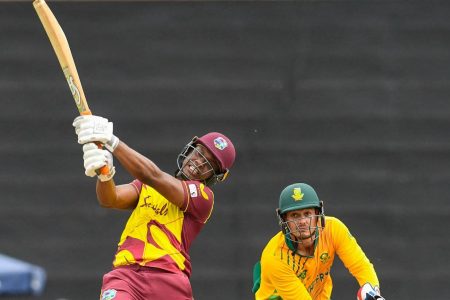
(288, 286)
(137, 185)
(353, 257)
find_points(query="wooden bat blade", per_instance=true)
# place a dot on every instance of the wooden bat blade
(61, 46)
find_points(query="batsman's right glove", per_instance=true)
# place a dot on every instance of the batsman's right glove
(367, 292)
(90, 128)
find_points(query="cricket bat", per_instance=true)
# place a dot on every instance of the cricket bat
(61, 46)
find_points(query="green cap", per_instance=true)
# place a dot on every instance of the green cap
(298, 196)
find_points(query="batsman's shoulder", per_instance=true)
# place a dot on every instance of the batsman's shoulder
(197, 190)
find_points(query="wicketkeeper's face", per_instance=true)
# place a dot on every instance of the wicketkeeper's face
(302, 223)
(199, 164)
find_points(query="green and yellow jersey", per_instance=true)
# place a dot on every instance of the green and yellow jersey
(287, 275)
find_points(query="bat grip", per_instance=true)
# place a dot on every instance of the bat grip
(105, 169)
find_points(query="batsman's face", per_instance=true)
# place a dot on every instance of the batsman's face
(200, 164)
(302, 223)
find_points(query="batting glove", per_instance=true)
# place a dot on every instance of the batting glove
(367, 292)
(90, 128)
(94, 159)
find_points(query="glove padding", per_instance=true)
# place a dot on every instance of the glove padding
(90, 128)
(94, 159)
(367, 292)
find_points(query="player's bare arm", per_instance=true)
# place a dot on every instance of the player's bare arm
(98, 129)
(123, 196)
(145, 170)
(205, 159)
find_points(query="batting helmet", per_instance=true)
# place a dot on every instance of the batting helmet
(220, 147)
(298, 196)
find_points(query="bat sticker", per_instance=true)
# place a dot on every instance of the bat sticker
(73, 89)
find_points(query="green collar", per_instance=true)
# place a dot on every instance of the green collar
(293, 247)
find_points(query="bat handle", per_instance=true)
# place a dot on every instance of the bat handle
(103, 170)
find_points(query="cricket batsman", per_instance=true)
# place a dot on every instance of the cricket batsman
(296, 263)
(168, 212)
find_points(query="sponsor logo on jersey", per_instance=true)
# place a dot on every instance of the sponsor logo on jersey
(319, 278)
(297, 194)
(157, 208)
(220, 143)
(324, 257)
(193, 190)
(109, 294)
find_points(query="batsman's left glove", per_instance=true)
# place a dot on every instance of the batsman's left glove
(94, 159)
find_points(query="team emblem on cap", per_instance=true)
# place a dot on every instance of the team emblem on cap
(220, 143)
(297, 194)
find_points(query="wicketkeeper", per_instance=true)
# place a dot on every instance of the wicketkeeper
(296, 263)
